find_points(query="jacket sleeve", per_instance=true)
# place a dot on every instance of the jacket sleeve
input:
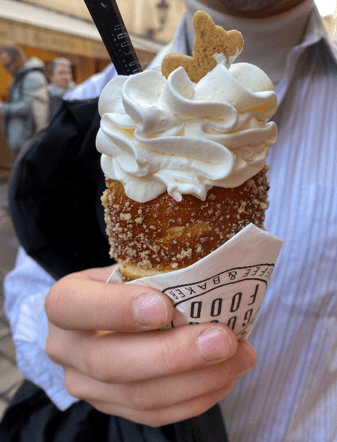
(55, 208)
(26, 288)
(55, 191)
(22, 108)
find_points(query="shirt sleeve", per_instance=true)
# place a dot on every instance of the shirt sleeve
(92, 87)
(26, 288)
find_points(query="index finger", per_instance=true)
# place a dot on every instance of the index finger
(83, 301)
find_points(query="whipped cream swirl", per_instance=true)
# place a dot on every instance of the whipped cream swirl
(174, 135)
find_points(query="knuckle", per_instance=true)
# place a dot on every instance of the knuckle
(96, 365)
(73, 387)
(205, 404)
(219, 394)
(140, 398)
(167, 356)
(94, 368)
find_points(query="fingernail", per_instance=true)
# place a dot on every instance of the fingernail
(213, 344)
(150, 310)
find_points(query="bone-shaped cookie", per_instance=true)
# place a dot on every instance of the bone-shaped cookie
(210, 40)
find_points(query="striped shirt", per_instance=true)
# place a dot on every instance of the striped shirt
(291, 394)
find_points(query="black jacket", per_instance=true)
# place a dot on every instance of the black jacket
(55, 206)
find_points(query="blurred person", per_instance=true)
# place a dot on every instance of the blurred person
(27, 75)
(48, 98)
(120, 386)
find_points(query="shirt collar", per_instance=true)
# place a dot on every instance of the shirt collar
(315, 34)
(268, 41)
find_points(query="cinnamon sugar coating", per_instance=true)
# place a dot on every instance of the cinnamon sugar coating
(164, 235)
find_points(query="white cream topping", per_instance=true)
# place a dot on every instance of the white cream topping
(174, 135)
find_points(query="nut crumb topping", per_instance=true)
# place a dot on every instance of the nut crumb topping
(164, 234)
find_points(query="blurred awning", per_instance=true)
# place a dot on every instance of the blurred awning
(31, 25)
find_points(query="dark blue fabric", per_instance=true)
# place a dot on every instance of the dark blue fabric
(32, 417)
(55, 192)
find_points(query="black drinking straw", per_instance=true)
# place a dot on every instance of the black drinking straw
(110, 25)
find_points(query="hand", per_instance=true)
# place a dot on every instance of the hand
(134, 370)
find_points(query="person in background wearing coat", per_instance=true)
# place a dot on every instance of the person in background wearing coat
(27, 76)
(47, 99)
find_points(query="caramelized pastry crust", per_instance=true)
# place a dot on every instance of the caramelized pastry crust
(164, 235)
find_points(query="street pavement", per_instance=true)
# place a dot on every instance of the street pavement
(10, 377)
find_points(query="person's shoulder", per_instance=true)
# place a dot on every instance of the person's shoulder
(33, 71)
(37, 76)
(84, 113)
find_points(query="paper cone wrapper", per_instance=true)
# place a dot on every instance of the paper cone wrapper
(226, 286)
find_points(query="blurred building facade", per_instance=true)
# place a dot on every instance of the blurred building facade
(53, 28)
(57, 28)
(142, 17)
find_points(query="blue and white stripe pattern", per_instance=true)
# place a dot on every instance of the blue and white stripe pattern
(291, 394)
